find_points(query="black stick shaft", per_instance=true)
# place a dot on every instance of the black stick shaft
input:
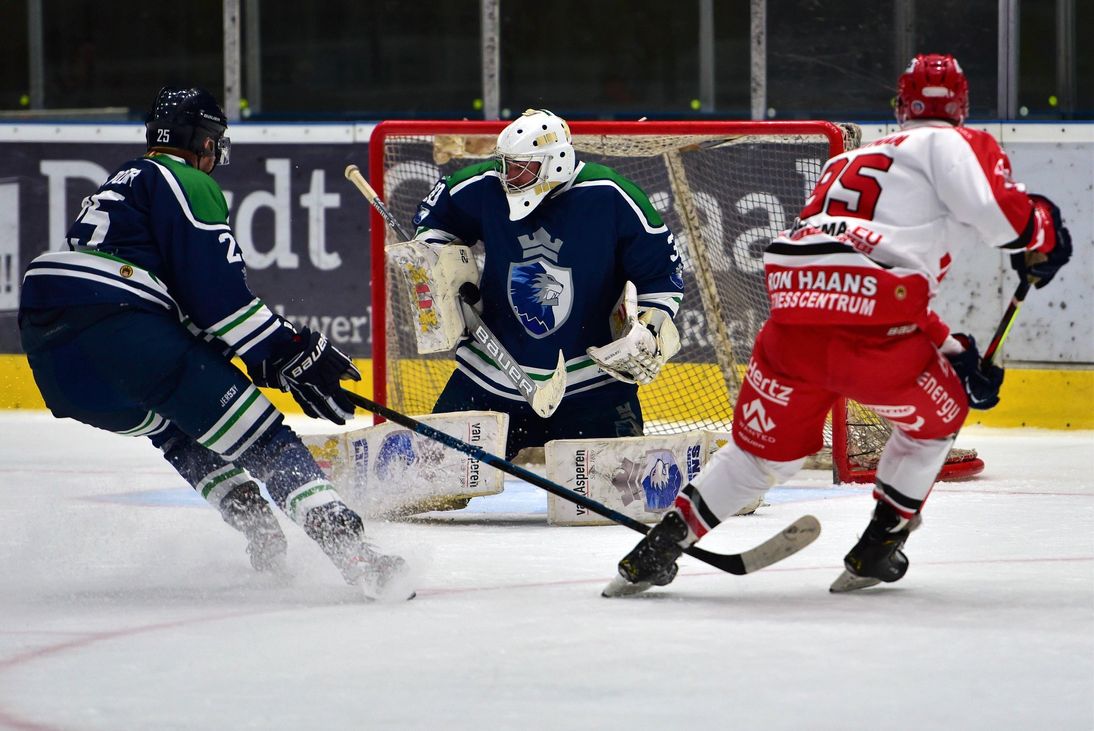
(731, 563)
(390, 218)
(494, 461)
(1007, 321)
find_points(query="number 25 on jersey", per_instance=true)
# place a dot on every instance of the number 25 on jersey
(846, 189)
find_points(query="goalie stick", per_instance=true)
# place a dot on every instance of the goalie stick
(787, 542)
(543, 398)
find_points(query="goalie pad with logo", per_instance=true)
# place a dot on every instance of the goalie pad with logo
(387, 470)
(432, 276)
(637, 476)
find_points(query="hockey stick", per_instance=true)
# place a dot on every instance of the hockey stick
(543, 399)
(789, 541)
(353, 175)
(1006, 322)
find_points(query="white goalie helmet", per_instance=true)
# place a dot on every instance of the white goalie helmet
(535, 155)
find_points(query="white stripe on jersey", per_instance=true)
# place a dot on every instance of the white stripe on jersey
(307, 497)
(582, 374)
(668, 301)
(246, 327)
(247, 409)
(630, 202)
(103, 270)
(184, 203)
(473, 179)
(152, 424)
(512, 394)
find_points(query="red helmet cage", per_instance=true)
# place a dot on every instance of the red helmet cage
(933, 87)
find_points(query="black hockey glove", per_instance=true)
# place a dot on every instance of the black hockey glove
(982, 381)
(1038, 267)
(310, 368)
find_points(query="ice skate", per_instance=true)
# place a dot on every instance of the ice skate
(653, 561)
(247, 511)
(877, 556)
(340, 533)
(752, 507)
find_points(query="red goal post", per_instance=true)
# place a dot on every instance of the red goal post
(724, 189)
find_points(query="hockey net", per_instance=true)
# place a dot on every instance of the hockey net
(725, 189)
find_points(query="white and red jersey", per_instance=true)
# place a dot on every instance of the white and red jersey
(877, 234)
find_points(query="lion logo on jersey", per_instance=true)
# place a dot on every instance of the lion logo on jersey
(541, 295)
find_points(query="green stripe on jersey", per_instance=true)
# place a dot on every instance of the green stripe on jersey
(217, 478)
(469, 172)
(595, 171)
(254, 307)
(241, 409)
(202, 192)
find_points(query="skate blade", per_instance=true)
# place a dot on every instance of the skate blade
(752, 507)
(850, 582)
(619, 586)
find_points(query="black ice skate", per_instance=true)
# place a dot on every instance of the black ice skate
(247, 511)
(653, 560)
(340, 533)
(877, 556)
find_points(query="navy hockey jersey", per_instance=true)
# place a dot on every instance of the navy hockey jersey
(155, 236)
(551, 280)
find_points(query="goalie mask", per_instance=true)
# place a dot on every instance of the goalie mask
(535, 155)
(933, 87)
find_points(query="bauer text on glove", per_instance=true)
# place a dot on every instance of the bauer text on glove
(310, 368)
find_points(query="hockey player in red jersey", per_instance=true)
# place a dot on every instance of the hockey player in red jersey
(850, 286)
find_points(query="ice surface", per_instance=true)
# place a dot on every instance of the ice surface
(126, 603)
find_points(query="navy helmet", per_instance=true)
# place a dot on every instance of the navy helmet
(184, 119)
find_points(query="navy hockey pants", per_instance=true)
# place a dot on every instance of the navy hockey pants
(140, 373)
(609, 411)
(133, 371)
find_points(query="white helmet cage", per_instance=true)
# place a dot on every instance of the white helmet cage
(536, 136)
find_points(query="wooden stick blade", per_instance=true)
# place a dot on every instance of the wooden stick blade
(784, 544)
(549, 395)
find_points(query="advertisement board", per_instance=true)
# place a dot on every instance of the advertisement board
(302, 227)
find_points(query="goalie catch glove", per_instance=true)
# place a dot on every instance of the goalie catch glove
(638, 355)
(982, 381)
(310, 368)
(1050, 249)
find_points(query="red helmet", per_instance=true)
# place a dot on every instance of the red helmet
(933, 87)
